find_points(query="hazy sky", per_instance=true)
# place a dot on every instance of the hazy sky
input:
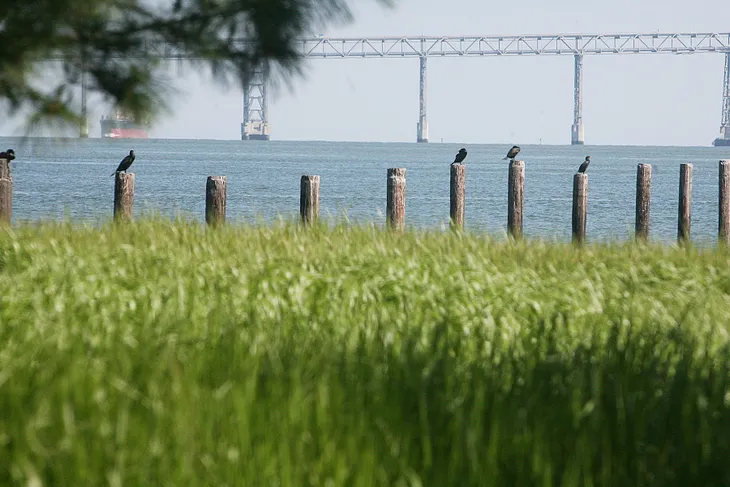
(642, 99)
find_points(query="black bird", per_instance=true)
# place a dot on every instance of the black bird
(460, 156)
(584, 166)
(8, 154)
(512, 153)
(126, 162)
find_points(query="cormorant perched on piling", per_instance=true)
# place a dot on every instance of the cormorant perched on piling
(126, 162)
(460, 156)
(584, 166)
(512, 153)
(8, 154)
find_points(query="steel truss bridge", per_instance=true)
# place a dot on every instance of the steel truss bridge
(255, 117)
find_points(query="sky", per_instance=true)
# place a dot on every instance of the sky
(627, 99)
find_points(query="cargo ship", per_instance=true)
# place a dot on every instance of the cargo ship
(123, 126)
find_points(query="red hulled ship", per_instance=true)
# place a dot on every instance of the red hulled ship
(123, 126)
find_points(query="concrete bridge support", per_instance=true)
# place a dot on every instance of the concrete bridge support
(576, 136)
(724, 139)
(422, 126)
(84, 126)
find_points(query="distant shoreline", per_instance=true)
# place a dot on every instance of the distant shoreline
(579, 148)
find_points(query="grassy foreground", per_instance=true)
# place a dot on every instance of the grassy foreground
(162, 354)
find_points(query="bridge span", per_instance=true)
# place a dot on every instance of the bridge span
(255, 124)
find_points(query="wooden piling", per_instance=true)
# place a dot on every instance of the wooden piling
(5, 169)
(396, 201)
(684, 213)
(580, 206)
(123, 195)
(724, 203)
(6, 192)
(309, 199)
(643, 200)
(458, 190)
(215, 200)
(515, 197)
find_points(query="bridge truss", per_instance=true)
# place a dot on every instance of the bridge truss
(560, 44)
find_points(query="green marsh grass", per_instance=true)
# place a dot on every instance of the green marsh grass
(160, 353)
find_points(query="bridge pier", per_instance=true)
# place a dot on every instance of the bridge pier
(84, 125)
(422, 126)
(255, 124)
(576, 135)
(724, 139)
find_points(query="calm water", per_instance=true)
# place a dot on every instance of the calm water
(54, 178)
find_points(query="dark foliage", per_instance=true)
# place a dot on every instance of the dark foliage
(115, 45)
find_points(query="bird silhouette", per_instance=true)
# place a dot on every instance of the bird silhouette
(584, 166)
(126, 162)
(460, 156)
(512, 153)
(8, 154)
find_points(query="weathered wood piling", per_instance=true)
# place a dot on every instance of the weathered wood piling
(123, 195)
(215, 200)
(643, 200)
(457, 195)
(684, 211)
(5, 169)
(309, 199)
(395, 210)
(515, 197)
(6, 192)
(724, 204)
(580, 207)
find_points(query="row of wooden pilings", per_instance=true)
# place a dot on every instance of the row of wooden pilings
(215, 199)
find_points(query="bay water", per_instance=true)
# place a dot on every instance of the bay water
(60, 178)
